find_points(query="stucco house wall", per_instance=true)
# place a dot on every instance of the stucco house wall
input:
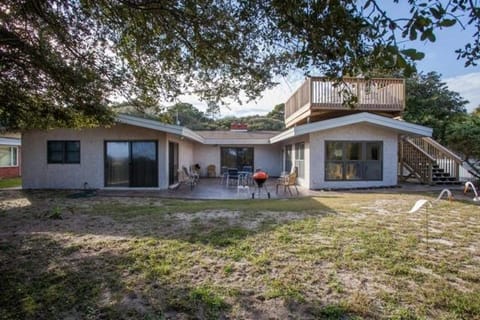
(357, 132)
(37, 173)
(206, 155)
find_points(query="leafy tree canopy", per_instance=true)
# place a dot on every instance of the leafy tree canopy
(62, 60)
(189, 116)
(430, 102)
(463, 136)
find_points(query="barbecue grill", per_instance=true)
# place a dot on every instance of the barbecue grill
(260, 177)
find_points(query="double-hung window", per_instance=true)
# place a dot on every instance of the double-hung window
(353, 160)
(8, 156)
(63, 151)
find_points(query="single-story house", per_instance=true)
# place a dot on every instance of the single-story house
(348, 151)
(10, 146)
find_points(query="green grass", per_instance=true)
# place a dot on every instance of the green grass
(342, 256)
(10, 183)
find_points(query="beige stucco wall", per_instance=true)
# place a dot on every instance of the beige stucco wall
(358, 132)
(38, 174)
(206, 155)
(266, 157)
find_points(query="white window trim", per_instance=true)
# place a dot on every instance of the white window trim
(11, 158)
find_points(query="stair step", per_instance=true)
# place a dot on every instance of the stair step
(448, 178)
(441, 174)
(456, 182)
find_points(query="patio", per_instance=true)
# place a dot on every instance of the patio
(211, 188)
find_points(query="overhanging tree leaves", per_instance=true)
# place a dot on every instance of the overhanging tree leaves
(61, 61)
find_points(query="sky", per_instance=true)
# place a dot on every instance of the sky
(440, 56)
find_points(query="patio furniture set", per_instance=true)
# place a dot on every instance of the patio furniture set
(241, 179)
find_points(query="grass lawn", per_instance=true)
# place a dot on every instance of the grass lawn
(10, 182)
(340, 256)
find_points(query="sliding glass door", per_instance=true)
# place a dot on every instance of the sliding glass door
(117, 164)
(234, 157)
(131, 164)
(172, 162)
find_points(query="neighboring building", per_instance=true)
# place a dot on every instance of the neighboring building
(332, 145)
(10, 156)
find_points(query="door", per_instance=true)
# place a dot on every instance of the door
(117, 164)
(172, 162)
(144, 168)
(131, 164)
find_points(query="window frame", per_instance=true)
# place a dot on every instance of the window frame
(238, 165)
(12, 164)
(288, 161)
(64, 150)
(363, 161)
(297, 159)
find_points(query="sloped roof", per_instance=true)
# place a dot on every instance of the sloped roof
(268, 137)
(237, 137)
(159, 126)
(205, 137)
(364, 117)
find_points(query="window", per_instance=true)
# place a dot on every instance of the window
(8, 156)
(63, 151)
(300, 158)
(348, 160)
(236, 157)
(288, 158)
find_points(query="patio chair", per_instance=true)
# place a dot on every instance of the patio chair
(287, 181)
(194, 172)
(247, 169)
(232, 175)
(211, 171)
(191, 178)
(183, 178)
(242, 183)
(223, 174)
(247, 172)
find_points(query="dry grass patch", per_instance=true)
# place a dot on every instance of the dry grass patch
(345, 255)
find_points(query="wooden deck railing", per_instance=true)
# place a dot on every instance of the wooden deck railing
(419, 161)
(444, 158)
(299, 99)
(380, 94)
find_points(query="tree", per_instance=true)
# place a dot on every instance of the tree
(188, 116)
(62, 61)
(278, 112)
(213, 110)
(476, 112)
(463, 136)
(429, 102)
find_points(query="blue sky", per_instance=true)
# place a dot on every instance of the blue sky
(440, 56)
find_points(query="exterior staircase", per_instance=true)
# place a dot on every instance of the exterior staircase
(428, 161)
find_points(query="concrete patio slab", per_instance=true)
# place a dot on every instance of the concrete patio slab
(213, 189)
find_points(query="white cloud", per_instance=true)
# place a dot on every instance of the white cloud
(468, 86)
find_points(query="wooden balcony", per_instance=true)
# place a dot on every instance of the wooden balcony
(320, 98)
